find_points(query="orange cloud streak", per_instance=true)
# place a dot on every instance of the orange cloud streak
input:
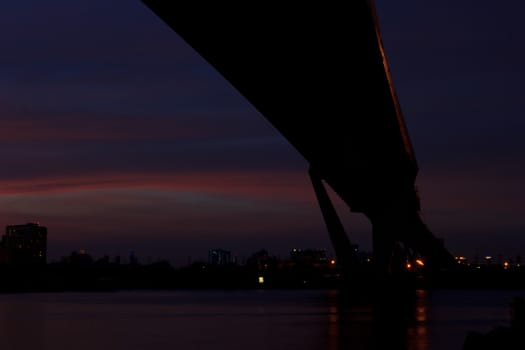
(254, 184)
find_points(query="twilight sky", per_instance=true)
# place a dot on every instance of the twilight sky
(118, 137)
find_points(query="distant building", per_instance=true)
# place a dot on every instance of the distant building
(219, 257)
(80, 257)
(262, 260)
(24, 244)
(309, 256)
(133, 259)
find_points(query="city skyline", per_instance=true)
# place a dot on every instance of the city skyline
(240, 257)
(114, 155)
(26, 244)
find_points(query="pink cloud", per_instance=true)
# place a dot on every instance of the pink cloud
(260, 184)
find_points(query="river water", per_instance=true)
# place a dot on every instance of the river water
(251, 319)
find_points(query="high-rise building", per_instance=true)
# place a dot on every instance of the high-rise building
(219, 257)
(25, 244)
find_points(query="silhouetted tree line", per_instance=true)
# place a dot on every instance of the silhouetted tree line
(80, 272)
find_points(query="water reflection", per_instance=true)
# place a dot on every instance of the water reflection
(333, 324)
(417, 328)
(254, 320)
(396, 320)
(19, 317)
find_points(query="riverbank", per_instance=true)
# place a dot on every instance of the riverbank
(160, 275)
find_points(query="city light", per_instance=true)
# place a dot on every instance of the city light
(461, 259)
(261, 280)
(420, 262)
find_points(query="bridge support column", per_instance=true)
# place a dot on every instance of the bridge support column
(344, 249)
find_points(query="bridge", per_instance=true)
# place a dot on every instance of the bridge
(319, 75)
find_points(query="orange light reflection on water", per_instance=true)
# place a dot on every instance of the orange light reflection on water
(417, 332)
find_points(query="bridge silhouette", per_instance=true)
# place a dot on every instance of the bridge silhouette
(319, 75)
